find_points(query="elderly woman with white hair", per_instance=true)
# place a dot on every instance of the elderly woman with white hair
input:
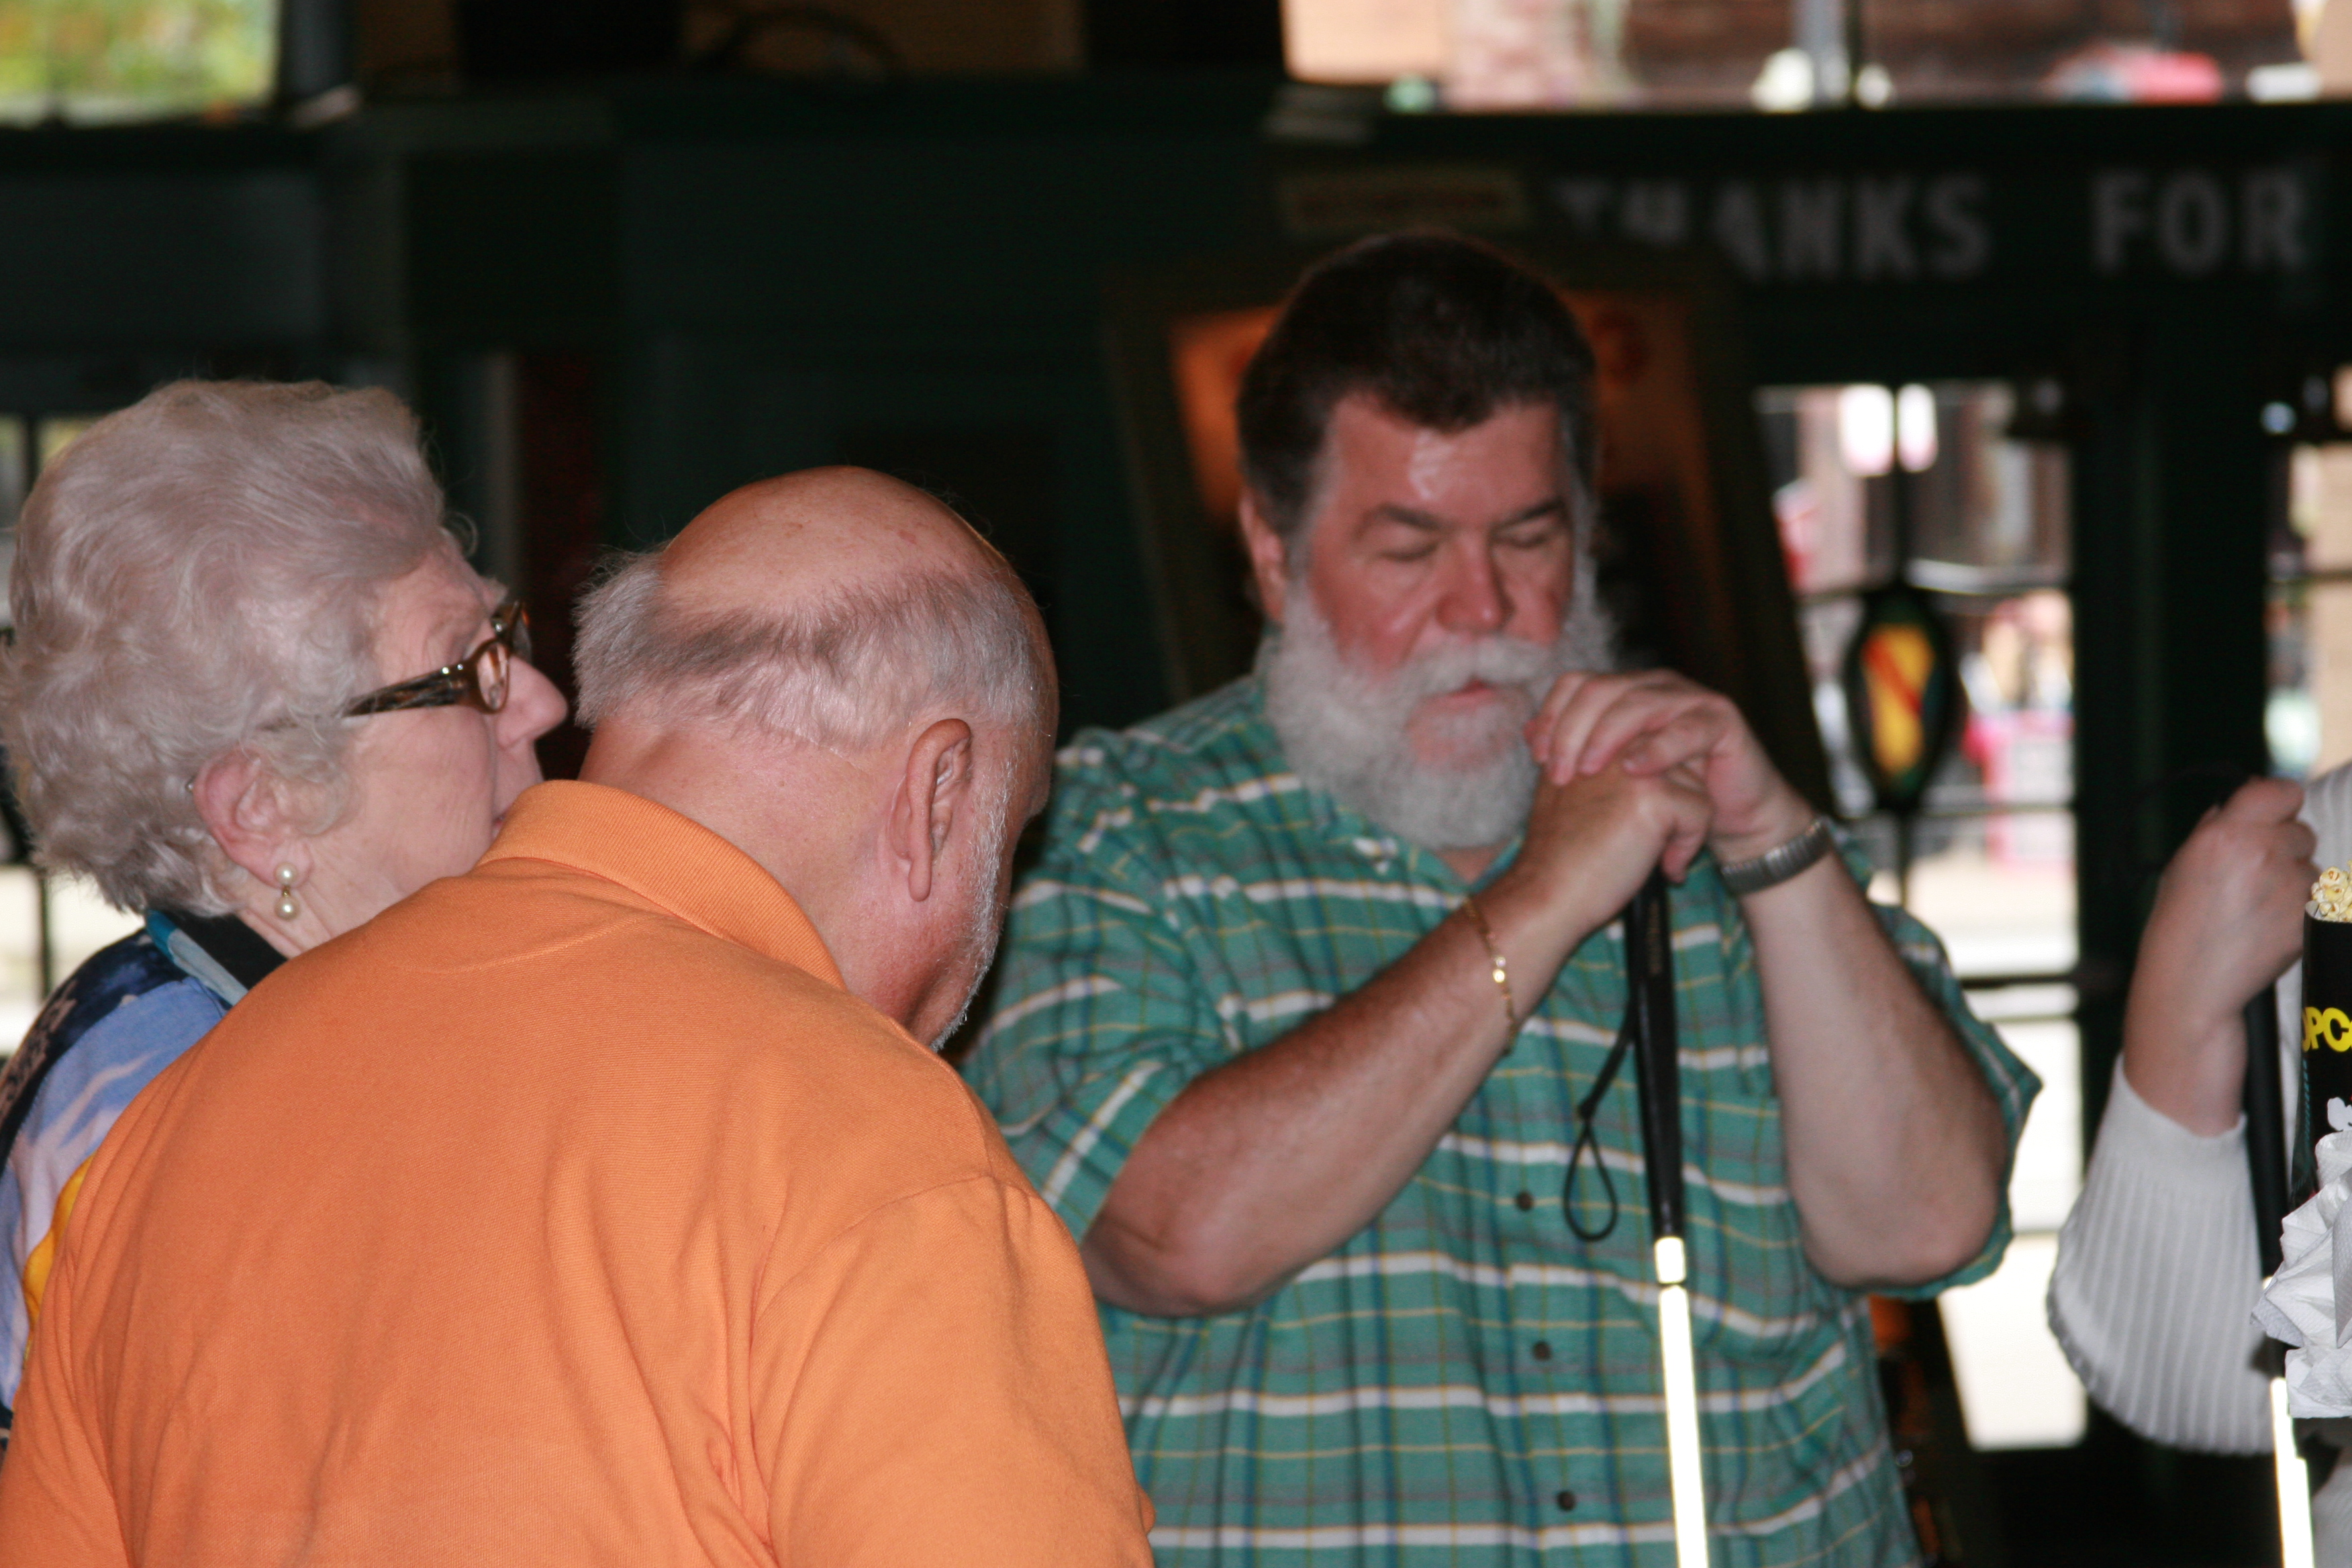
(256, 695)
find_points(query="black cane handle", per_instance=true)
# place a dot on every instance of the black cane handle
(1650, 1018)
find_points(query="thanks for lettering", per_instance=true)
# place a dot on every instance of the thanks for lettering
(1905, 226)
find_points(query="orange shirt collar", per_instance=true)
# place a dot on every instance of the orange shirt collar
(669, 859)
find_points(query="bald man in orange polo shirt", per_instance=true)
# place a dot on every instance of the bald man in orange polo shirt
(607, 1204)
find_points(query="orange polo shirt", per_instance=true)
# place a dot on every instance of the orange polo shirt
(570, 1212)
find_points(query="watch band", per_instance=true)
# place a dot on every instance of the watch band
(1780, 862)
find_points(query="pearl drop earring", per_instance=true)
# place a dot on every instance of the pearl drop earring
(287, 907)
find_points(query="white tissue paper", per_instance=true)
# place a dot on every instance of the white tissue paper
(2309, 1302)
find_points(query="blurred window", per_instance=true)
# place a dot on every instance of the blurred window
(2157, 51)
(1993, 852)
(94, 61)
(1799, 54)
(2308, 717)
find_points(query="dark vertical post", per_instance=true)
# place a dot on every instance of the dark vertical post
(2171, 487)
(2114, 676)
(2266, 1129)
(314, 48)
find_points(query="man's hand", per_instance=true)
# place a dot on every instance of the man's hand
(2228, 916)
(1590, 842)
(1894, 1146)
(2227, 922)
(1653, 722)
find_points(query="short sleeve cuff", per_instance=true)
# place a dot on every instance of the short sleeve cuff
(1075, 1150)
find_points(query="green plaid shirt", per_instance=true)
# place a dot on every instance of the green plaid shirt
(1464, 1381)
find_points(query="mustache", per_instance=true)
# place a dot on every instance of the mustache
(1496, 660)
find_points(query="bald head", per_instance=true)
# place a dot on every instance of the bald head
(801, 537)
(835, 674)
(832, 606)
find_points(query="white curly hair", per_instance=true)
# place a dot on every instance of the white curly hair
(199, 575)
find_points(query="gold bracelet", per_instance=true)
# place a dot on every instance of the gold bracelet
(1502, 970)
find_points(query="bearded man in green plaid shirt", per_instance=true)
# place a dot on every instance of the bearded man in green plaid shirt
(1296, 1008)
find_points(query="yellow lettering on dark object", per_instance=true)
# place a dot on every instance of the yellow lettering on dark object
(2334, 1030)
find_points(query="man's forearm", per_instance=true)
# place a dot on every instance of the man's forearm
(1894, 1144)
(2184, 1023)
(2187, 1066)
(1276, 1158)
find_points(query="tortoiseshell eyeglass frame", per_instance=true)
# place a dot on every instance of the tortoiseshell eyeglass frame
(479, 681)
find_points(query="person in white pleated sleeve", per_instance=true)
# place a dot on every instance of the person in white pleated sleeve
(2157, 1274)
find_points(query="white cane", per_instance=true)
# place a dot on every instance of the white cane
(2294, 1485)
(2266, 1170)
(1649, 1016)
(1682, 1405)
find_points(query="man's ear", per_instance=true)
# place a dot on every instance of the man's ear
(1269, 562)
(934, 802)
(247, 811)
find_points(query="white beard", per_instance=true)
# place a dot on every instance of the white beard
(1354, 734)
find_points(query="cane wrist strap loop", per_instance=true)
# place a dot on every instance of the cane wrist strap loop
(1780, 862)
(1502, 967)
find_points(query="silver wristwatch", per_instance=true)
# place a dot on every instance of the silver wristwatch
(1780, 862)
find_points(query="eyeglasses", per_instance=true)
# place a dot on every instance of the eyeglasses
(480, 679)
